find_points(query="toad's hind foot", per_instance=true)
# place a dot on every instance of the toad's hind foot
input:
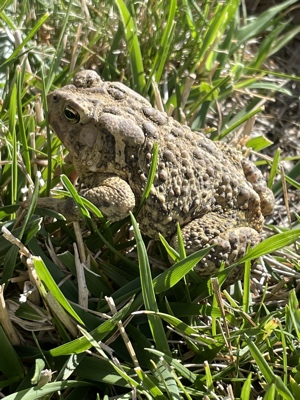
(231, 243)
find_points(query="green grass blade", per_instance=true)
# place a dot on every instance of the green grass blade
(39, 366)
(292, 312)
(270, 393)
(149, 385)
(171, 252)
(236, 124)
(151, 176)
(208, 377)
(9, 264)
(291, 177)
(295, 388)
(292, 182)
(247, 291)
(258, 143)
(81, 344)
(267, 246)
(5, 3)
(60, 49)
(206, 92)
(12, 130)
(40, 392)
(284, 355)
(179, 325)
(29, 36)
(51, 285)
(258, 84)
(274, 168)
(272, 244)
(261, 362)
(264, 72)
(49, 155)
(267, 372)
(266, 46)
(261, 23)
(284, 40)
(36, 227)
(120, 371)
(78, 200)
(22, 131)
(167, 378)
(181, 248)
(136, 60)
(148, 291)
(69, 367)
(181, 369)
(164, 46)
(216, 26)
(172, 275)
(10, 23)
(246, 389)
(10, 364)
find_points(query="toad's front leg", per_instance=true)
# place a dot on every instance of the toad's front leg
(112, 195)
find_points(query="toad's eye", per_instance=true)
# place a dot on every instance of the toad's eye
(71, 114)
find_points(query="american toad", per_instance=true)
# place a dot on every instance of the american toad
(216, 195)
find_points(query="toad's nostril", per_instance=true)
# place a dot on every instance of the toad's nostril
(55, 98)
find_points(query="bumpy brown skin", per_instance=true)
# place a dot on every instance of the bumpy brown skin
(216, 195)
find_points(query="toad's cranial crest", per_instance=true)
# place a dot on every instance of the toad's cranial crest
(216, 195)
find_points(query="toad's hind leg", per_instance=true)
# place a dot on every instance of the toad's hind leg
(231, 242)
(255, 177)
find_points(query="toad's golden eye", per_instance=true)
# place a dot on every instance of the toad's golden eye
(71, 114)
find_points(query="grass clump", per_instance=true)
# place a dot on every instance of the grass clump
(90, 310)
